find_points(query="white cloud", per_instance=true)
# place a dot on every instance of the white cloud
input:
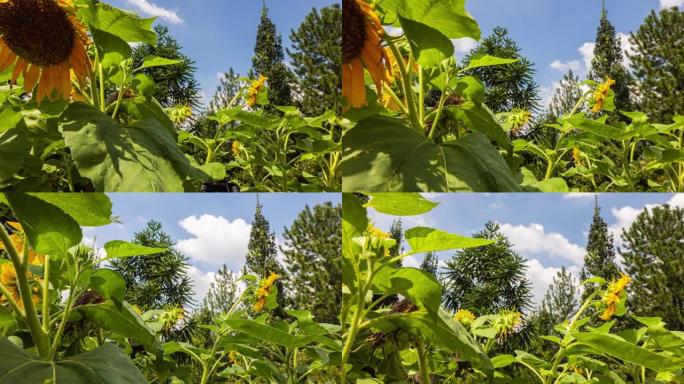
(671, 3)
(627, 48)
(625, 216)
(587, 52)
(151, 9)
(216, 240)
(578, 196)
(564, 66)
(464, 45)
(547, 93)
(533, 240)
(541, 277)
(410, 262)
(201, 282)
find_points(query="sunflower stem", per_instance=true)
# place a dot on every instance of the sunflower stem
(406, 83)
(32, 321)
(45, 315)
(102, 86)
(422, 363)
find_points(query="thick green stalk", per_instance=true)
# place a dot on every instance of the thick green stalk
(408, 90)
(20, 268)
(45, 315)
(422, 363)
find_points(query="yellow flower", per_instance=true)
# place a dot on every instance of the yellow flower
(377, 232)
(254, 90)
(263, 291)
(236, 147)
(507, 322)
(362, 47)
(8, 278)
(601, 93)
(232, 357)
(518, 118)
(43, 41)
(576, 155)
(612, 296)
(464, 317)
(17, 239)
(180, 113)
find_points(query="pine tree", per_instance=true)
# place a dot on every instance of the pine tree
(262, 254)
(608, 62)
(175, 84)
(566, 96)
(226, 91)
(430, 263)
(222, 292)
(600, 258)
(268, 61)
(654, 259)
(561, 299)
(312, 255)
(487, 279)
(317, 60)
(658, 64)
(396, 232)
(158, 281)
(507, 87)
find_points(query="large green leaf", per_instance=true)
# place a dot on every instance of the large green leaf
(105, 365)
(14, 147)
(401, 204)
(480, 61)
(598, 128)
(381, 154)
(616, 346)
(156, 61)
(354, 224)
(117, 22)
(438, 331)
(125, 322)
(423, 240)
(49, 230)
(88, 209)
(430, 47)
(276, 336)
(417, 285)
(446, 16)
(113, 49)
(110, 284)
(9, 118)
(117, 249)
(481, 119)
(142, 157)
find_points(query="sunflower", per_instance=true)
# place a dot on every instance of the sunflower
(253, 92)
(17, 240)
(601, 94)
(465, 317)
(43, 41)
(8, 278)
(613, 295)
(236, 148)
(362, 47)
(263, 291)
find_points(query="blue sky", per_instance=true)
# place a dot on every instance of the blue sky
(219, 34)
(211, 229)
(549, 230)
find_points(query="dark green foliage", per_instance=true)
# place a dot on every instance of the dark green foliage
(430, 263)
(600, 257)
(312, 253)
(507, 86)
(396, 232)
(156, 281)
(488, 279)
(317, 60)
(566, 96)
(654, 259)
(608, 63)
(175, 84)
(268, 61)
(222, 293)
(658, 64)
(262, 254)
(226, 91)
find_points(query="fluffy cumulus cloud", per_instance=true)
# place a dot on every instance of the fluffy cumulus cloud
(564, 66)
(671, 3)
(533, 240)
(216, 240)
(201, 281)
(587, 52)
(578, 196)
(541, 278)
(151, 9)
(625, 216)
(464, 45)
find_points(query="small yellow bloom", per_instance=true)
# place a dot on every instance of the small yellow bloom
(464, 317)
(8, 278)
(377, 232)
(519, 118)
(232, 357)
(18, 242)
(612, 296)
(576, 155)
(601, 93)
(507, 322)
(253, 92)
(263, 291)
(236, 148)
(180, 113)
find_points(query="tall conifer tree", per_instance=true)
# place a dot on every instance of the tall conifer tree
(600, 258)
(317, 60)
(268, 61)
